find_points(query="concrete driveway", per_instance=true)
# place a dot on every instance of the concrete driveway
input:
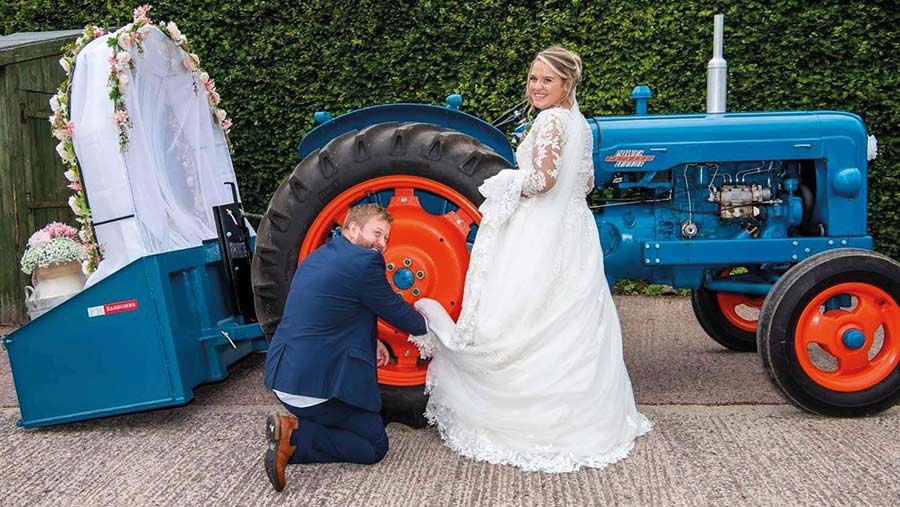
(722, 436)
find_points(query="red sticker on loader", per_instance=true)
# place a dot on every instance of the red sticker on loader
(110, 308)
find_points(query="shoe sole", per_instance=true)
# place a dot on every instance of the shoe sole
(273, 435)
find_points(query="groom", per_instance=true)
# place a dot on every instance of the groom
(322, 361)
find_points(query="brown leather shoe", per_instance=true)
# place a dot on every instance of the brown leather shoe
(279, 449)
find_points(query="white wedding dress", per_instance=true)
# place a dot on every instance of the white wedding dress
(532, 374)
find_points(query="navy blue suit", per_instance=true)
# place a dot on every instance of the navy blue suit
(324, 347)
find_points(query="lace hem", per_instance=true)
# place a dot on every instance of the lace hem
(427, 343)
(476, 445)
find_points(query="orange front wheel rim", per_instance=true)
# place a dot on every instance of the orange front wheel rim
(848, 334)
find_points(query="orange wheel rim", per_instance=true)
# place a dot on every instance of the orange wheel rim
(729, 302)
(829, 330)
(428, 249)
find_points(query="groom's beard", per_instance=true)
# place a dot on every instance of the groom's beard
(372, 245)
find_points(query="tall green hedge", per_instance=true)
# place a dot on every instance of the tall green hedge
(278, 61)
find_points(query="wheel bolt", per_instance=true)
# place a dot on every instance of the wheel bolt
(407, 262)
(420, 274)
(390, 266)
(415, 292)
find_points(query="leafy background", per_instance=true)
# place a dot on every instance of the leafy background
(278, 61)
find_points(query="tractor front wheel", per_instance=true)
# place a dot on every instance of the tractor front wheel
(829, 333)
(428, 178)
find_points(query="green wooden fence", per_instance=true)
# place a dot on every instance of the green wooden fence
(32, 186)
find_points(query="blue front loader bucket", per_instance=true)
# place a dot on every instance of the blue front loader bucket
(142, 338)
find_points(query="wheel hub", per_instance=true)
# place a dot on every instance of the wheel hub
(854, 339)
(403, 279)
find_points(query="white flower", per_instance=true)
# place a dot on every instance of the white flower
(174, 32)
(124, 39)
(55, 251)
(203, 77)
(871, 148)
(220, 115)
(54, 103)
(144, 29)
(123, 83)
(64, 63)
(62, 149)
(60, 134)
(70, 175)
(79, 41)
(213, 98)
(123, 57)
(73, 204)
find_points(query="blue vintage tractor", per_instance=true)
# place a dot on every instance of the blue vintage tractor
(761, 215)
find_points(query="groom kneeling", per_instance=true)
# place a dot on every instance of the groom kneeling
(322, 360)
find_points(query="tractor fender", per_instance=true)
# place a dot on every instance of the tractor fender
(420, 113)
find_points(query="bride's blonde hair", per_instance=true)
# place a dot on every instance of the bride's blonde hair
(564, 62)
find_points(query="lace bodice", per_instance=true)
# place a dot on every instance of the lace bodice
(540, 153)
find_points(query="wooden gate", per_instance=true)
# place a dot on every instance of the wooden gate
(32, 186)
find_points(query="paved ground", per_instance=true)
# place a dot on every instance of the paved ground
(722, 436)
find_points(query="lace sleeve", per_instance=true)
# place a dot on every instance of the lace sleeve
(546, 154)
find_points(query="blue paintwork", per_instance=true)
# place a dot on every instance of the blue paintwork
(641, 95)
(680, 157)
(854, 339)
(443, 116)
(68, 366)
(454, 101)
(322, 117)
(682, 147)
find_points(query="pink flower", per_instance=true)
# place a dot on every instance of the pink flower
(190, 61)
(226, 125)
(98, 32)
(120, 117)
(70, 128)
(75, 186)
(60, 230)
(141, 12)
(213, 98)
(209, 85)
(124, 38)
(111, 60)
(39, 238)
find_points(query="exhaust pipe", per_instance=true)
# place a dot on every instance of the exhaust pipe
(717, 71)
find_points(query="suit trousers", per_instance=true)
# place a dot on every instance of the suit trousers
(334, 431)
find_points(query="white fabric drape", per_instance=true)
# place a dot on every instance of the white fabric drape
(532, 374)
(175, 166)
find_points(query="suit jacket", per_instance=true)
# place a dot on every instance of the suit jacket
(324, 345)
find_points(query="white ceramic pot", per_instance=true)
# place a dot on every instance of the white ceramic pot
(56, 280)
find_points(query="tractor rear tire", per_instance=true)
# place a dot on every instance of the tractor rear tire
(446, 157)
(836, 300)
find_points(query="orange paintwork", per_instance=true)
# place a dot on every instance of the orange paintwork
(855, 371)
(434, 245)
(730, 301)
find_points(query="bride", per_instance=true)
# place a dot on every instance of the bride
(532, 373)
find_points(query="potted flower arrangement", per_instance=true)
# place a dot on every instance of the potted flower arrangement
(54, 259)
